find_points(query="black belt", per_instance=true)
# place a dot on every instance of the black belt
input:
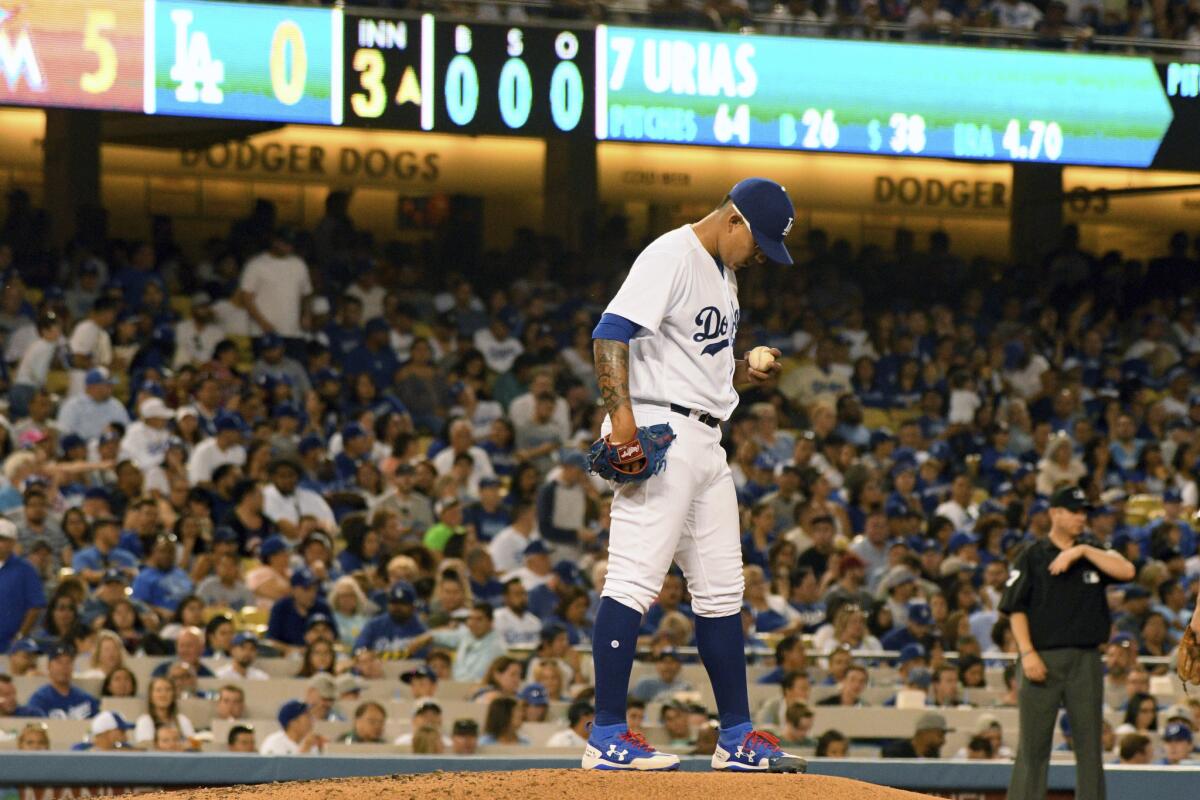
(703, 416)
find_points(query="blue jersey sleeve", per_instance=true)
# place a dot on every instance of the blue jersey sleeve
(616, 328)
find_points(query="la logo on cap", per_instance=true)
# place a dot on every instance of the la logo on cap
(788, 228)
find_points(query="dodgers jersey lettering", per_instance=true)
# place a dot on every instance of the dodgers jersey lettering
(688, 312)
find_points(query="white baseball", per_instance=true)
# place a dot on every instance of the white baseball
(760, 358)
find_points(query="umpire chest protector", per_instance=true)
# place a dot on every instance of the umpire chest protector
(1067, 610)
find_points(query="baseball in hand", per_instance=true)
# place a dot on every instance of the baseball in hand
(760, 358)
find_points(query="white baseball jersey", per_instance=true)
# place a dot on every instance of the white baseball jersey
(688, 312)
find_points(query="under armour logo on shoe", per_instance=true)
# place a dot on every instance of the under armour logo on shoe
(620, 754)
(742, 753)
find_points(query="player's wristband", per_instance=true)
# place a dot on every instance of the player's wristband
(1026, 653)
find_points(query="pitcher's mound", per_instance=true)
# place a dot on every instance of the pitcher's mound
(555, 784)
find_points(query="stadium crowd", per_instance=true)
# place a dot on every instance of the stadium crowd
(1047, 24)
(315, 449)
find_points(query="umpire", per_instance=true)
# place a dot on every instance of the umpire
(1056, 599)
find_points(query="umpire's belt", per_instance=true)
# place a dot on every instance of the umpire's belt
(702, 416)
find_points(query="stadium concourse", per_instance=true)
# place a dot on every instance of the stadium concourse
(308, 493)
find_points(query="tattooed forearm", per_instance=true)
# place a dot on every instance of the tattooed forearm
(612, 373)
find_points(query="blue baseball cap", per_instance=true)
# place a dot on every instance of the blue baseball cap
(920, 614)
(919, 544)
(574, 458)
(304, 578)
(225, 534)
(270, 341)
(317, 619)
(920, 677)
(96, 493)
(25, 645)
(377, 325)
(1039, 506)
(489, 483)
(245, 637)
(1172, 495)
(272, 545)
(1177, 732)
(286, 410)
(71, 441)
(960, 540)
(534, 695)
(535, 548)
(309, 443)
(229, 422)
(97, 376)
(423, 671)
(1010, 539)
(114, 576)
(289, 711)
(402, 592)
(769, 214)
(327, 375)
(352, 431)
(59, 649)
(567, 572)
(912, 652)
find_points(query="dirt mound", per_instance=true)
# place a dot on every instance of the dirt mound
(554, 784)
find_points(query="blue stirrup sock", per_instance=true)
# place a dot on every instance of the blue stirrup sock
(722, 649)
(614, 646)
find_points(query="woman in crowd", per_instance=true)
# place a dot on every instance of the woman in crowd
(351, 608)
(162, 708)
(108, 655)
(503, 679)
(502, 725)
(318, 657)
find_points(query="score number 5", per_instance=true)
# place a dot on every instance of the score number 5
(96, 24)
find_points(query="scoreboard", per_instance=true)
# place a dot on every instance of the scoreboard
(366, 68)
(72, 53)
(472, 78)
(234, 60)
(870, 97)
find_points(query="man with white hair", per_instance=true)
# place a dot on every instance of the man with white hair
(189, 647)
(462, 441)
(146, 440)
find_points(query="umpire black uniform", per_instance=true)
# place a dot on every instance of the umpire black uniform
(1056, 599)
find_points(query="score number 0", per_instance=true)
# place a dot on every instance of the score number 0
(515, 90)
(200, 75)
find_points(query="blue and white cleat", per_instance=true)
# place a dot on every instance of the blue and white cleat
(756, 751)
(617, 748)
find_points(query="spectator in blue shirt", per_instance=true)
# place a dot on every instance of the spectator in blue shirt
(356, 450)
(391, 633)
(489, 516)
(89, 414)
(8, 701)
(22, 596)
(289, 615)
(374, 356)
(58, 699)
(92, 562)
(162, 584)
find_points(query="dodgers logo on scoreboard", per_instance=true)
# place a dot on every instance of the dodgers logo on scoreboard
(242, 61)
(79, 53)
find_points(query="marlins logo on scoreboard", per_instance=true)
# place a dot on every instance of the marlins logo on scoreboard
(18, 60)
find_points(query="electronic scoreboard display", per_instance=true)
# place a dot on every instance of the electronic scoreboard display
(475, 78)
(893, 99)
(74, 53)
(277, 63)
(360, 67)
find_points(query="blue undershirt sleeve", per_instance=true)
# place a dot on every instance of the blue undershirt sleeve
(616, 328)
